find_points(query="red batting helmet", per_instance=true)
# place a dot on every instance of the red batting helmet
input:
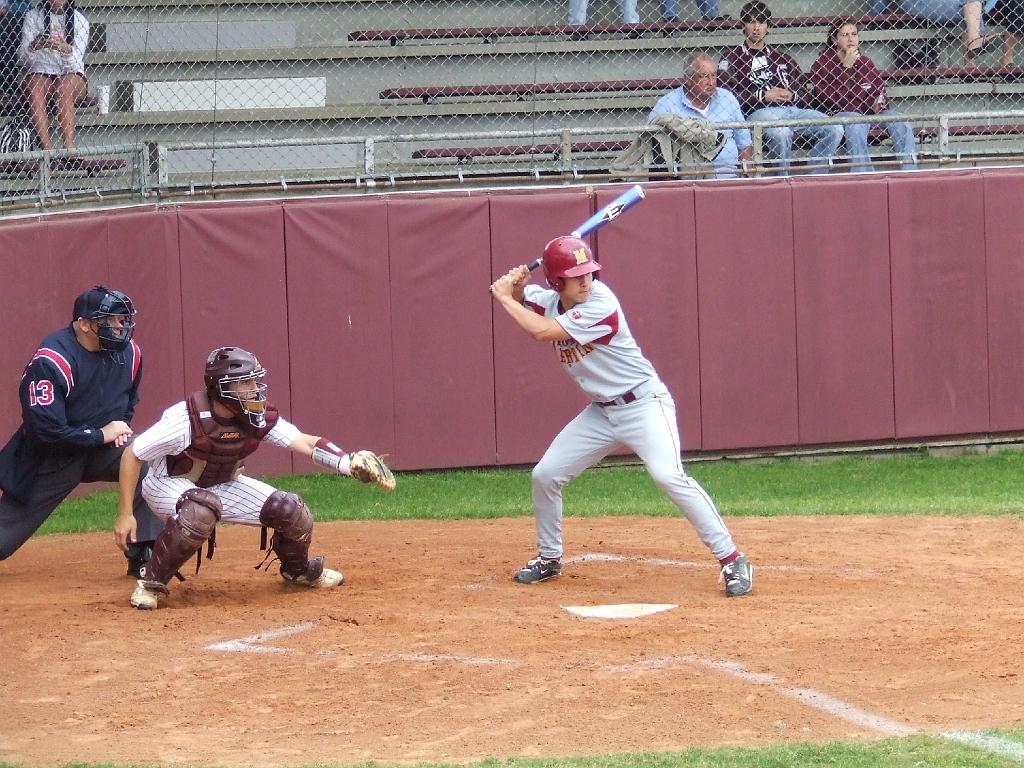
(567, 257)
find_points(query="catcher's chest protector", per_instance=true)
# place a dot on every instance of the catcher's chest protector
(217, 449)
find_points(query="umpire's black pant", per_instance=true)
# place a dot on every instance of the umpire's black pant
(59, 474)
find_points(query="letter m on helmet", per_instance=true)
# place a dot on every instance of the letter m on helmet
(567, 257)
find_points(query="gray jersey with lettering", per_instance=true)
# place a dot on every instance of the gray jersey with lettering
(602, 356)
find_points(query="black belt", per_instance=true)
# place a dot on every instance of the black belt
(629, 397)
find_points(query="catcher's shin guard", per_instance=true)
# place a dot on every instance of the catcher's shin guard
(183, 535)
(292, 522)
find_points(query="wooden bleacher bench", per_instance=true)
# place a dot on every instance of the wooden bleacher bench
(395, 36)
(13, 103)
(428, 94)
(958, 74)
(877, 135)
(1005, 129)
(465, 154)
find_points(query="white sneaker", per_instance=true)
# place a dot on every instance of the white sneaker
(146, 595)
(327, 578)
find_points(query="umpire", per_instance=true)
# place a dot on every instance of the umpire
(78, 396)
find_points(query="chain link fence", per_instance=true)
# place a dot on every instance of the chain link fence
(208, 94)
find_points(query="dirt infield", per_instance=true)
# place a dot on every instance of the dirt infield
(858, 628)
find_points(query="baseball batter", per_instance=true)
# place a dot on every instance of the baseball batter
(629, 405)
(195, 455)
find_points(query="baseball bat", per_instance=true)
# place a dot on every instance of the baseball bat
(618, 206)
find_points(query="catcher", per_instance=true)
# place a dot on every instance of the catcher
(195, 455)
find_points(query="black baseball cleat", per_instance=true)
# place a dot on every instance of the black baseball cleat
(539, 569)
(738, 576)
(138, 555)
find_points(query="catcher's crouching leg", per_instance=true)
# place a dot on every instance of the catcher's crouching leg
(198, 511)
(292, 522)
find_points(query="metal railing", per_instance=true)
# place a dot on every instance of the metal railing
(357, 164)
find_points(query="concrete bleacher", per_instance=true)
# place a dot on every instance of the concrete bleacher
(281, 71)
(355, 75)
(492, 32)
(915, 76)
(231, 43)
(876, 136)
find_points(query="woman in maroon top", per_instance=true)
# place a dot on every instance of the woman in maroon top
(847, 83)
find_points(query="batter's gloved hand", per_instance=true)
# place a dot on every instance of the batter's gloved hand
(368, 467)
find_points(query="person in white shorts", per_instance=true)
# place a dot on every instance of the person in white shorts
(195, 455)
(629, 405)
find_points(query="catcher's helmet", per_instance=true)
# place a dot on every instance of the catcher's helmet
(113, 312)
(567, 257)
(227, 365)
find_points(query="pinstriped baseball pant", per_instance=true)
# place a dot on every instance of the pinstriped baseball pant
(242, 498)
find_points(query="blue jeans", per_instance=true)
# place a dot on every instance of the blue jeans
(779, 141)
(578, 11)
(708, 9)
(902, 135)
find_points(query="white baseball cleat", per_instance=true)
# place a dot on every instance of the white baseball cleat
(147, 595)
(328, 578)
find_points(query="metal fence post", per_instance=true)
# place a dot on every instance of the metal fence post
(368, 156)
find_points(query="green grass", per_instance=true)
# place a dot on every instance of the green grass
(912, 752)
(915, 752)
(1017, 734)
(991, 484)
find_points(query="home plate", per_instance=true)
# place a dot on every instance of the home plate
(622, 611)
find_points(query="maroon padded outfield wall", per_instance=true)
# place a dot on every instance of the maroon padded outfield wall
(782, 312)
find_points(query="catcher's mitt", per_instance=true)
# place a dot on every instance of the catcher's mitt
(368, 467)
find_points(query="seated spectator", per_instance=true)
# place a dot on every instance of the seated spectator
(968, 12)
(847, 84)
(770, 86)
(53, 41)
(700, 96)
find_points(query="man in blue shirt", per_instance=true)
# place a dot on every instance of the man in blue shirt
(700, 96)
(78, 395)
